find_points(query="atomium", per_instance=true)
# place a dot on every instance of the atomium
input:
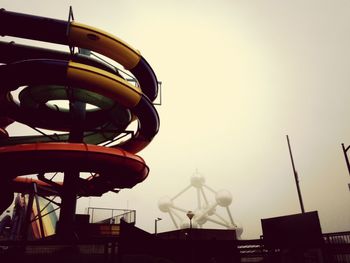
(207, 209)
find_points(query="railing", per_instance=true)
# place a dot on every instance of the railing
(251, 250)
(337, 238)
(110, 216)
(336, 249)
(338, 246)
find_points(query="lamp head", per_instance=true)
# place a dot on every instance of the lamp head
(190, 215)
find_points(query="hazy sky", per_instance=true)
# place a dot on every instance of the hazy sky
(238, 76)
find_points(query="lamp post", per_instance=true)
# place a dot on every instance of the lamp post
(190, 215)
(155, 225)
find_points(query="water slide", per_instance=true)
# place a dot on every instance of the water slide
(83, 139)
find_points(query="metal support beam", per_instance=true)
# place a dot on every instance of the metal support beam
(28, 214)
(66, 228)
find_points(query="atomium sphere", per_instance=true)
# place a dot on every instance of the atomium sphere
(201, 217)
(239, 231)
(223, 198)
(164, 204)
(212, 209)
(185, 223)
(197, 180)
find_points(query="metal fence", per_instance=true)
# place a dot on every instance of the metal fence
(110, 216)
(336, 249)
(338, 246)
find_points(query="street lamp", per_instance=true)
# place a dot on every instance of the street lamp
(155, 224)
(190, 215)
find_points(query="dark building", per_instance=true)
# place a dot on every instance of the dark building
(186, 245)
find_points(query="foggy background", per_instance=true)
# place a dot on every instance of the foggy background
(237, 77)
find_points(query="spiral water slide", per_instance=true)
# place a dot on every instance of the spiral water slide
(83, 139)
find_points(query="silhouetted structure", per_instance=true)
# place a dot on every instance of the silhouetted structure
(297, 238)
(202, 245)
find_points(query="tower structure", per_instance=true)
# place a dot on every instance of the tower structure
(209, 202)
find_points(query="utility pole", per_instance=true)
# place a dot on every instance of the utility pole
(155, 225)
(296, 178)
(346, 156)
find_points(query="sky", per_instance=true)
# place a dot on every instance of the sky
(237, 77)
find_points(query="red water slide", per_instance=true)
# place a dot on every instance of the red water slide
(92, 134)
